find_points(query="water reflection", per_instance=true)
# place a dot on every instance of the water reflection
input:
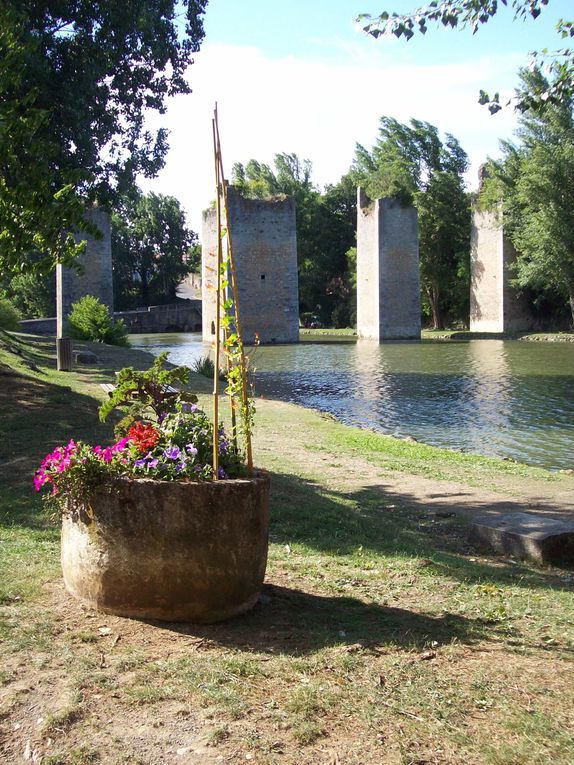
(512, 399)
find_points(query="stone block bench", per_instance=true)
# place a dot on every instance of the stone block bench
(526, 536)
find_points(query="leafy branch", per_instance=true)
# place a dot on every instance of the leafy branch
(557, 65)
(147, 395)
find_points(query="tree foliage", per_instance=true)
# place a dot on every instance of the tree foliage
(535, 181)
(471, 14)
(325, 228)
(150, 245)
(33, 294)
(413, 163)
(76, 80)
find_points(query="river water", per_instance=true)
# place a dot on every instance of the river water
(500, 398)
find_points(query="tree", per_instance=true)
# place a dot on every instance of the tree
(33, 294)
(76, 80)
(411, 162)
(324, 229)
(535, 181)
(150, 245)
(471, 14)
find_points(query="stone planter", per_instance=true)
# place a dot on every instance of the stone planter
(168, 550)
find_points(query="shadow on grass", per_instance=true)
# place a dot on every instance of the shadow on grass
(390, 524)
(294, 622)
(37, 416)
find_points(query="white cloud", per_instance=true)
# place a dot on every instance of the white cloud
(319, 110)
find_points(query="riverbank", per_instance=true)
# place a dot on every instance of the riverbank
(348, 335)
(381, 637)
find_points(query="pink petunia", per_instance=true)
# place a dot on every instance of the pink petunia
(121, 445)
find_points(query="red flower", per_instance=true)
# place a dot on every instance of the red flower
(144, 437)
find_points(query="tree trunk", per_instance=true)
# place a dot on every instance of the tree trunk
(571, 301)
(433, 295)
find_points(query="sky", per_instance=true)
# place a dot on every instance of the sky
(300, 76)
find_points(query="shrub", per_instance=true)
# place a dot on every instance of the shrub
(341, 316)
(90, 319)
(9, 316)
(205, 366)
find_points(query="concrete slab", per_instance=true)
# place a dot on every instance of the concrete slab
(526, 536)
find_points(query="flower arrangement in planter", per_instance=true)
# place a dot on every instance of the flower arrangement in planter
(147, 530)
(164, 436)
(170, 521)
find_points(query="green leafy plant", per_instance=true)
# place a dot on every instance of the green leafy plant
(90, 319)
(9, 316)
(149, 394)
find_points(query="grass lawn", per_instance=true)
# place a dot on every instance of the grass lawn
(381, 636)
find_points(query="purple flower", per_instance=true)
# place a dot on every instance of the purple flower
(153, 463)
(221, 473)
(180, 466)
(189, 408)
(197, 469)
(140, 463)
(172, 452)
(223, 447)
(191, 449)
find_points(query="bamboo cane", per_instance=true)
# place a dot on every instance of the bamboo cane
(233, 274)
(217, 308)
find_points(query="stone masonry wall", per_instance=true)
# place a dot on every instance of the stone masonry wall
(494, 305)
(265, 253)
(97, 264)
(388, 281)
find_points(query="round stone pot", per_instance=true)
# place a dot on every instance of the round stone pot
(168, 550)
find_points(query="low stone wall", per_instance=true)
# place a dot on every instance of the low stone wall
(177, 317)
(39, 326)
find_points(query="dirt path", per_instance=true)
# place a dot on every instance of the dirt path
(503, 494)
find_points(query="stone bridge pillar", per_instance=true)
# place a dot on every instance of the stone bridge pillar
(265, 253)
(388, 283)
(494, 305)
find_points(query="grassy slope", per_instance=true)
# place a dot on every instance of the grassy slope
(382, 637)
